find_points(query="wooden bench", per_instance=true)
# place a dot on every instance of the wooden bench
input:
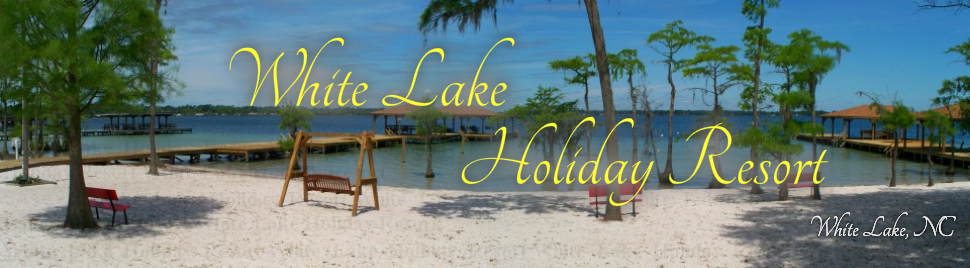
(804, 181)
(878, 134)
(104, 199)
(597, 191)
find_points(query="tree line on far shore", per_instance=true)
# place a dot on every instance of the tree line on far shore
(210, 109)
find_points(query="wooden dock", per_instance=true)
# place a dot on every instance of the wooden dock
(237, 152)
(110, 132)
(915, 150)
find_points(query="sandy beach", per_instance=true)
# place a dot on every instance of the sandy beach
(193, 218)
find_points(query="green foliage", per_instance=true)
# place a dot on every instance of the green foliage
(756, 43)
(963, 50)
(956, 91)
(75, 55)
(25, 181)
(578, 65)
(286, 145)
(812, 57)
(896, 118)
(671, 39)
(426, 122)
(626, 63)
(744, 75)
(712, 63)
(939, 125)
(426, 119)
(776, 138)
(797, 98)
(775, 141)
(293, 118)
(439, 13)
(547, 106)
(756, 37)
(755, 10)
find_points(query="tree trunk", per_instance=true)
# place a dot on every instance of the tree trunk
(24, 139)
(715, 184)
(6, 134)
(609, 110)
(892, 179)
(589, 134)
(953, 143)
(648, 110)
(39, 149)
(55, 143)
(633, 101)
(428, 173)
(929, 159)
(153, 153)
(668, 173)
(755, 101)
(79, 214)
(816, 189)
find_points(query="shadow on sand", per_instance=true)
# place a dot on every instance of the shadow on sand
(146, 217)
(474, 206)
(338, 206)
(787, 238)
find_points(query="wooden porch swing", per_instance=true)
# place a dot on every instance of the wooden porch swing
(327, 183)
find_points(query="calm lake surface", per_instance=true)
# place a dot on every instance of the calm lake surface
(844, 167)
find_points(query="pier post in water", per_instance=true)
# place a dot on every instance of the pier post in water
(404, 142)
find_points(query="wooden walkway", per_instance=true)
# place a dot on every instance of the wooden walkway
(239, 151)
(908, 149)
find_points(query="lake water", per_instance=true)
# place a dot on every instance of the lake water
(844, 167)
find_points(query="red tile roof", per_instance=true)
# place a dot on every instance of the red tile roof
(861, 111)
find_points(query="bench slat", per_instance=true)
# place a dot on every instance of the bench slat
(106, 194)
(106, 205)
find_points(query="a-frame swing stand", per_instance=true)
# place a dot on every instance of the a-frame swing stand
(329, 183)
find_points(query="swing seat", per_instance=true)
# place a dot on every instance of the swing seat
(326, 183)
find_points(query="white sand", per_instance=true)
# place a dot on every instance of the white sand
(200, 219)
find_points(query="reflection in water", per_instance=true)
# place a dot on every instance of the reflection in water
(844, 167)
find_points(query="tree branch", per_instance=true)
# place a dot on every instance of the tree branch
(955, 4)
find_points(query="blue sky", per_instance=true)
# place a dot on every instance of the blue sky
(895, 48)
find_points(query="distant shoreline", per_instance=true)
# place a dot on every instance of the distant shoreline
(231, 110)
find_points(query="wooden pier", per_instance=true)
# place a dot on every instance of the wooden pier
(236, 152)
(119, 124)
(915, 150)
(112, 132)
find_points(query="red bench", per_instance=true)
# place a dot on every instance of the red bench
(597, 191)
(104, 199)
(804, 181)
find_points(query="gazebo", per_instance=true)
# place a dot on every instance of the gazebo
(866, 112)
(461, 113)
(397, 112)
(465, 114)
